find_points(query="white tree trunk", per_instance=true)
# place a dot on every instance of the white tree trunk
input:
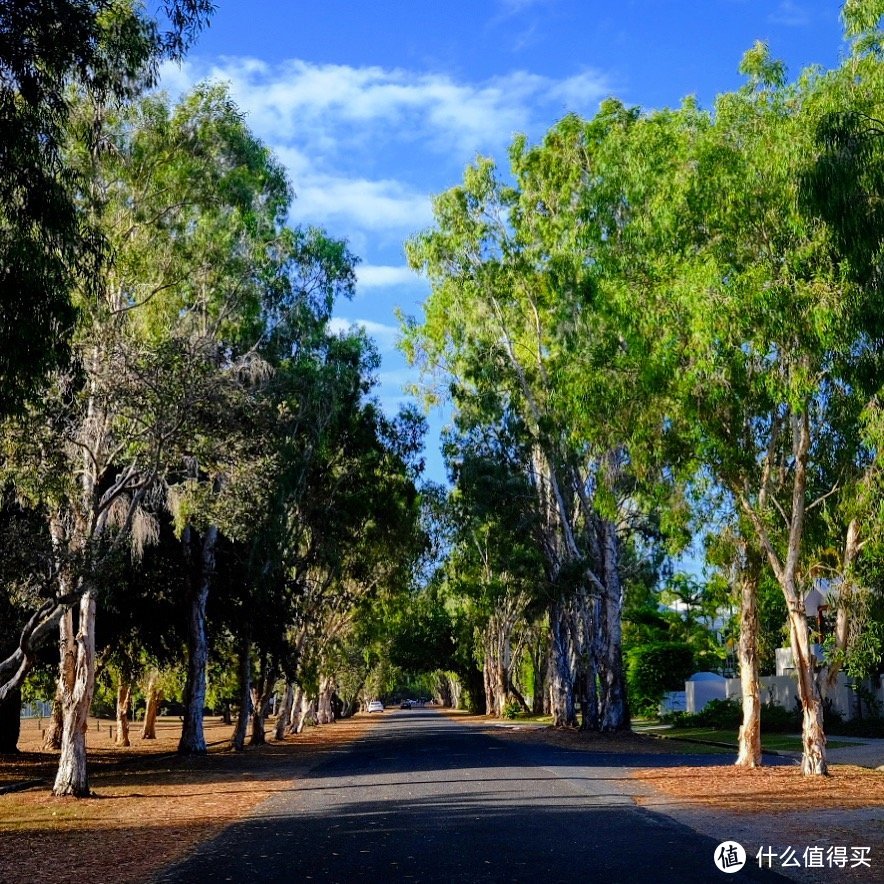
(284, 712)
(77, 688)
(749, 740)
(325, 713)
(297, 709)
(308, 714)
(813, 760)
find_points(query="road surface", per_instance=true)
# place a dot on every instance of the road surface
(425, 798)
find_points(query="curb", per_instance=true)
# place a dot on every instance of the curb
(21, 787)
(776, 753)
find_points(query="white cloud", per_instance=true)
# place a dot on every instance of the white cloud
(327, 105)
(384, 335)
(381, 204)
(351, 137)
(372, 276)
(790, 14)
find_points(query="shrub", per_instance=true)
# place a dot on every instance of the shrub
(511, 708)
(655, 668)
(724, 714)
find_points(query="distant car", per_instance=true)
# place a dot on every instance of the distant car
(375, 706)
(405, 704)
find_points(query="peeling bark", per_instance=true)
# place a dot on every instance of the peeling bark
(52, 741)
(284, 712)
(124, 696)
(813, 737)
(614, 709)
(749, 739)
(78, 685)
(325, 713)
(562, 667)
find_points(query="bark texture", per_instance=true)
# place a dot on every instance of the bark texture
(562, 666)
(193, 741)
(124, 697)
(238, 740)
(325, 713)
(749, 740)
(77, 687)
(284, 712)
(154, 698)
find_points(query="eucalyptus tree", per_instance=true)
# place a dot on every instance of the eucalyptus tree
(733, 287)
(362, 533)
(516, 321)
(109, 47)
(495, 563)
(842, 186)
(193, 206)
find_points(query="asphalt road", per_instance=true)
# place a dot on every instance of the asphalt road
(424, 798)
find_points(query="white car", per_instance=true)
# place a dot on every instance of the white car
(375, 706)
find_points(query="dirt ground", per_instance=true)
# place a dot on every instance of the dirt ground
(150, 806)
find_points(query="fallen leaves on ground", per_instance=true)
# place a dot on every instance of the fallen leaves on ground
(767, 789)
(150, 808)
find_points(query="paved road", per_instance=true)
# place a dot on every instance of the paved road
(425, 798)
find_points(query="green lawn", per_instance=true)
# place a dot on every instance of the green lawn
(770, 742)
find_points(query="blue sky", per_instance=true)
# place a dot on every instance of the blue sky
(375, 107)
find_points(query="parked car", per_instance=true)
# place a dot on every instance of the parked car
(375, 706)
(405, 704)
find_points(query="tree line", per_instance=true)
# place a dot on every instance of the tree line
(196, 448)
(659, 325)
(654, 327)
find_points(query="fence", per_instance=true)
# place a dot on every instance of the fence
(36, 709)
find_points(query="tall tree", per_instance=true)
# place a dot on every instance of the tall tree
(107, 48)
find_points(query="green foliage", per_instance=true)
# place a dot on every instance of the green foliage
(48, 52)
(655, 668)
(511, 709)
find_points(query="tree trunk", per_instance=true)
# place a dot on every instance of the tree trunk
(124, 696)
(284, 712)
(586, 614)
(262, 695)
(66, 651)
(308, 713)
(614, 709)
(78, 685)
(52, 740)
(154, 697)
(813, 760)
(749, 740)
(10, 722)
(562, 666)
(845, 613)
(297, 708)
(325, 714)
(238, 740)
(539, 662)
(260, 708)
(193, 741)
(488, 682)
